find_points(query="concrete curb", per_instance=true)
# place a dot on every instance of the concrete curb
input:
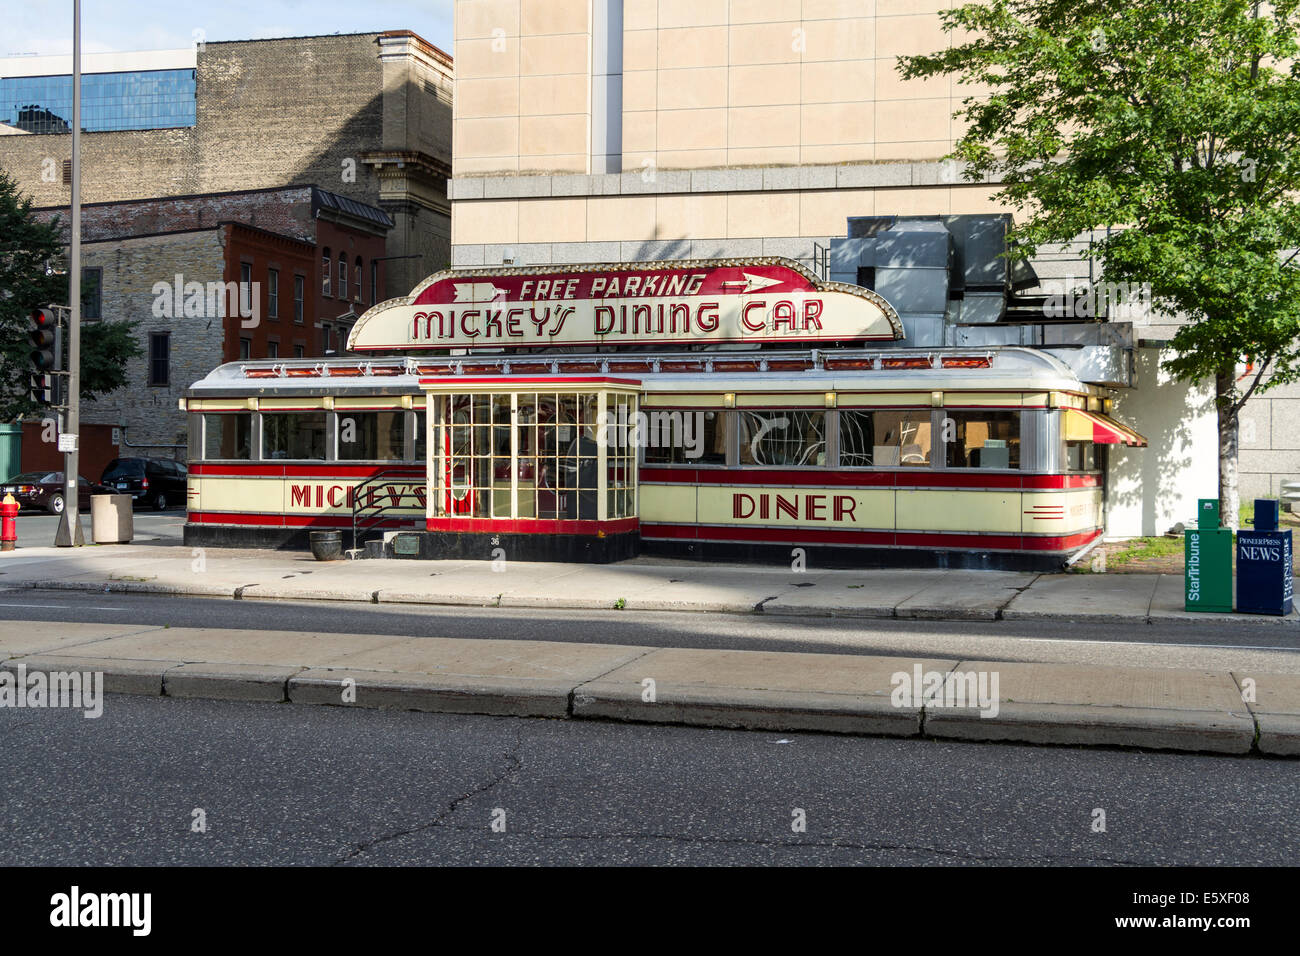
(618, 696)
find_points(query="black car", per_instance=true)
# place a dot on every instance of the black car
(44, 489)
(158, 482)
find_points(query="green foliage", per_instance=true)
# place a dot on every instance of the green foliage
(29, 250)
(1173, 123)
(27, 247)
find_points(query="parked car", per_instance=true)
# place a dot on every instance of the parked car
(44, 489)
(159, 482)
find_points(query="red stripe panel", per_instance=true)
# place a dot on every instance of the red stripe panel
(532, 525)
(651, 474)
(913, 539)
(292, 521)
(325, 470)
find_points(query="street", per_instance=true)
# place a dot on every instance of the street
(330, 786)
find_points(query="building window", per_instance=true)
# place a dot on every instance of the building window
(160, 346)
(92, 293)
(888, 438)
(374, 281)
(788, 437)
(343, 276)
(326, 264)
(245, 348)
(227, 436)
(299, 351)
(272, 349)
(359, 274)
(245, 289)
(982, 439)
(325, 340)
(1080, 456)
(297, 435)
(298, 285)
(273, 293)
(136, 99)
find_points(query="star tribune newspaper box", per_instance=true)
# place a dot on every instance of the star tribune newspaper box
(1208, 566)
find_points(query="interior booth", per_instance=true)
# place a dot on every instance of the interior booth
(543, 466)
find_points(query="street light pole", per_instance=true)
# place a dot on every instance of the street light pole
(70, 533)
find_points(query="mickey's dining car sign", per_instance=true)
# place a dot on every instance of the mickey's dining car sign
(645, 303)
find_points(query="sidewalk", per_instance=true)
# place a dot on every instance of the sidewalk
(1187, 710)
(643, 584)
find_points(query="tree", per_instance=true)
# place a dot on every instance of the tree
(1177, 123)
(32, 264)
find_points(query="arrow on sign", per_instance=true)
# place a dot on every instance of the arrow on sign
(477, 292)
(752, 282)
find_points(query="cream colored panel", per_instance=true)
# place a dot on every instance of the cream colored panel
(836, 82)
(929, 201)
(639, 131)
(766, 43)
(620, 218)
(766, 11)
(691, 158)
(490, 220)
(667, 504)
(476, 59)
(763, 126)
(549, 55)
(764, 156)
(691, 13)
(779, 400)
(552, 220)
(692, 129)
(639, 91)
(883, 399)
(551, 136)
(640, 49)
(953, 509)
(910, 121)
(691, 47)
(546, 95)
(838, 40)
(692, 89)
(541, 17)
(841, 153)
(762, 214)
(640, 14)
(834, 123)
(765, 85)
(908, 35)
(476, 19)
(823, 213)
(487, 98)
(495, 137)
(699, 216)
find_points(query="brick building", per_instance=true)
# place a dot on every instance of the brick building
(220, 277)
(364, 116)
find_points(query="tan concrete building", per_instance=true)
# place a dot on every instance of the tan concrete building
(625, 130)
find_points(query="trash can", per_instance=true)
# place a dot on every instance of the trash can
(1207, 551)
(1264, 576)
(111, 519)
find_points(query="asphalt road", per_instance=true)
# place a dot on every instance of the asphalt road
(331, 786)
(1275, 647)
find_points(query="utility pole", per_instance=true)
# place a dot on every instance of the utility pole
(70, 533)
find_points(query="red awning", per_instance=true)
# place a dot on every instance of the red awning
(1095, 427)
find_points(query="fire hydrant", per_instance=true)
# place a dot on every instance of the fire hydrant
(8, 524)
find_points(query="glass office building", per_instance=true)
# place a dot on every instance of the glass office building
(139, 99)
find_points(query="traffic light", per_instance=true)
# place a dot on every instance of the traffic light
(44, 339)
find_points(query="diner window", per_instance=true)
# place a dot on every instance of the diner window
(326, 264)
(343, 276)
(160, 348)
(358, 280)
(1080, 456)
(372, 436)
(885, 438)
(982, 438)
(298, 286)
(682, 436)
(228, 436)
(273, 293)
(294, 435)
(785, 437)
(421, 438)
